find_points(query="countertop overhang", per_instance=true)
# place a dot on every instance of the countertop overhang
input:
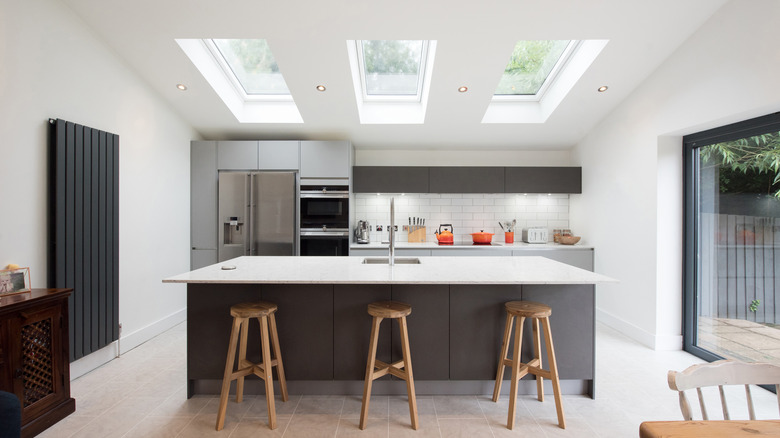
(431, 270)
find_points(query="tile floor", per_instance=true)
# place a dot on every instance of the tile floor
(740, 339)
(142, 394)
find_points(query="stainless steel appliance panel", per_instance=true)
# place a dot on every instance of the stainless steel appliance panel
(233, 213)
(272, 213)
(256, 214)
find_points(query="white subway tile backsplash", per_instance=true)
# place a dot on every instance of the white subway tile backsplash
(468, 213)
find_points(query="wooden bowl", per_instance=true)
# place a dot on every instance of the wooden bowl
(569, 240)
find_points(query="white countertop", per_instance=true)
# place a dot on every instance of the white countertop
(431, 270)
(494, 245)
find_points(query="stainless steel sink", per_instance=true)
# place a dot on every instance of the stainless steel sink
(386, 260)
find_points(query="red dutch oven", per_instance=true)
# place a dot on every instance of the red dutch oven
(482, 238)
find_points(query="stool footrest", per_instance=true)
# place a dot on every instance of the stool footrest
(383, 369)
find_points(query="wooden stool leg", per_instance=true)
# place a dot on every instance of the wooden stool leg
(369, 371)
(278, 354)
(504, 351)
(241, 358)
(223, 398)
(268, 372)
(510, 422)
(538, 356)
(408, 371)
(553, 372)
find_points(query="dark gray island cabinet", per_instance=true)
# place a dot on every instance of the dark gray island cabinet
(455, 328)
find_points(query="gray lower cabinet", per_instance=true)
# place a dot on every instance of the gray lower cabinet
(305, 320)
(476, 329)
(581, 258)
(352, 328)
(428, 326)
(389, 179)
(237, 155)
(326, 159)
(466, 179)
(572, 326)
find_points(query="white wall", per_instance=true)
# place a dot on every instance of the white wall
(53, 66)
(630, 208)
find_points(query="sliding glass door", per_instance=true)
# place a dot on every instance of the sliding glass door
(732, 241)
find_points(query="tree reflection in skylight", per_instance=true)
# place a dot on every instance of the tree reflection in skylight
(392, 67)
(253, 65)
(530, 65)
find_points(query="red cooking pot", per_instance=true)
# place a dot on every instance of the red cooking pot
(482, 238)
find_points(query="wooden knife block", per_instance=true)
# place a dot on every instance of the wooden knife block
(416, 234)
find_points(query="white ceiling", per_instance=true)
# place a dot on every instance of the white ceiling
(475, 40)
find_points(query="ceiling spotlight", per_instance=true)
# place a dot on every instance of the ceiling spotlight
(603, 88)
(320, 88)
(181, 87)
(463, 89)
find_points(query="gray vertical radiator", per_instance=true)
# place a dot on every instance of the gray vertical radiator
(84, 231)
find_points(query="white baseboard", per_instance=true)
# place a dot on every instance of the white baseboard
(131, 340)
(650, 340)
(93, 360)
(126, 343)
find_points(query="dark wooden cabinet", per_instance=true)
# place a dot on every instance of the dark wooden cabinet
(389, 179)
(466, 179)
(410, 179)
(543, 180)
(34, 356)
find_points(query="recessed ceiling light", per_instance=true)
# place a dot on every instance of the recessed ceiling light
(603, 88)
(320, 88)
(181, 87)
(463, 89)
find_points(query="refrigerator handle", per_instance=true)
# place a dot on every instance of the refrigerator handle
(248, 245)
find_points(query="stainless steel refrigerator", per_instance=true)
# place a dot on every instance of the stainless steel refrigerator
(257, 214)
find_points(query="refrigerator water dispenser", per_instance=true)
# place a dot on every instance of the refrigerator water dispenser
(233, 230)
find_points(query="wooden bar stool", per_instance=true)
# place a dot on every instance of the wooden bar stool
(242, 313)
(537, 312)
(401, 369)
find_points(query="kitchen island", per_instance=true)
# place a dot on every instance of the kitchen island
(455, 328)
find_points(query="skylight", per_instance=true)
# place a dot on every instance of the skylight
(538, 77)
(391, 79)
(251, 64)
(533, 65)
(244, 74)
(392, 68)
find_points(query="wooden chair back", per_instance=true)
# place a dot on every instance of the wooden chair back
(722, 373)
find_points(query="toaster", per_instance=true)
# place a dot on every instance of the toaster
(535, 235)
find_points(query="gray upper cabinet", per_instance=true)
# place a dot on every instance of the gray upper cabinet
(278, 155)
(543, 180)
(203, 195)
(389, 179)
(237, 155)
(466, 179)
(326, 159)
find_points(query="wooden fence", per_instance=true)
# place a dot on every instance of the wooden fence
(740, 260)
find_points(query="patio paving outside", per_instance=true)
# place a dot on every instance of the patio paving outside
(739, 339)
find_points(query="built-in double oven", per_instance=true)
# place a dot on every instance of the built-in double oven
(324, 220)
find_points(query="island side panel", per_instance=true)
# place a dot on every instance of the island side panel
(572, 324)
(352, 329)
(477, 317)
(209, 322)
(429, 330)
(305, 323)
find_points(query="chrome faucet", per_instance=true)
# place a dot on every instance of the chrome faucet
(391, 259)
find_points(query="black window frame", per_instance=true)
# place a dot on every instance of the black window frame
(691, 143)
